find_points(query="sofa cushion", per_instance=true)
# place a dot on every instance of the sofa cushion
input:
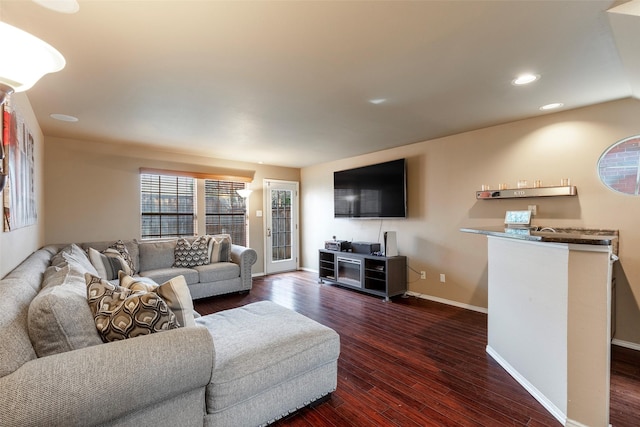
(191, 254)
(175, 292)
(218, 271)
(109, 263)
(162, 275)
(59, 318)
(261, 345)
(120, 313)
(17, 290)
(219, 248)
(156, 254)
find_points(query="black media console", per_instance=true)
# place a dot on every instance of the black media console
(376, 275)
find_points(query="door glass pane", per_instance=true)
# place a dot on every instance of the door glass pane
(281, 225)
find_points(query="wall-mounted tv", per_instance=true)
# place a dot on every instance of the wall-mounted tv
(374, 191)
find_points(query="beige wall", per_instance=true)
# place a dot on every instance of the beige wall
(92, 194)
(93, 189)
(443, 176)
(16, 245)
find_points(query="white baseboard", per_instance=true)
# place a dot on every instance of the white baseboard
(448, 302)
(626, 344)
(431, 298)
(533, 391)
(574, 423)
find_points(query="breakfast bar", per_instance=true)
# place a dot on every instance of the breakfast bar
(550, 315)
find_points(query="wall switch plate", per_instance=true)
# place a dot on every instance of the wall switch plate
(442, 278)
(423, 274)
(258, 214)
(533, 209)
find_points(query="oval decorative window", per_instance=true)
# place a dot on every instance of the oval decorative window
(619, 166)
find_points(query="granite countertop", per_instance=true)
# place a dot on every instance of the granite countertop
(582, 236)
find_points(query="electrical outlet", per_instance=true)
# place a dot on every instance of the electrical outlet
(423, 274)
(442, 278)
(533, 209)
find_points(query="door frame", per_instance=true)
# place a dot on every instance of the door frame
(295, 217)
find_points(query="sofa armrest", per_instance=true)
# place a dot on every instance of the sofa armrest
(245, 258)
(97, 384)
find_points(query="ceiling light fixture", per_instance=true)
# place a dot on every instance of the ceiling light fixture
(64, 117)
(552, 106)
(62, 6)
(377, 101)
(525, 79)
(25, 59)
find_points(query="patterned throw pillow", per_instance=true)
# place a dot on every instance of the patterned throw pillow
(124, 253)
(108, 263)
(192, 255)
(219, 248)
(175, 292)
(119, 313)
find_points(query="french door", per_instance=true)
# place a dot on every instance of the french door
(281, 226)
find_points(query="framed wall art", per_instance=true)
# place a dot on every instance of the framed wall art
(19, 196)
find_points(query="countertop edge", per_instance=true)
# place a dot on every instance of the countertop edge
(551, 237)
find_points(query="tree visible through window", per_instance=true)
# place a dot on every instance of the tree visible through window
(167, 205)
(225, 210)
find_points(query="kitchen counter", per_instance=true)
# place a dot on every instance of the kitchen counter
(550, 294)
(579, 236)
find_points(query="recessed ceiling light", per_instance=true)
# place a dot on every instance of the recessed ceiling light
(525, 79)
(63, 117)
(377, 101)
(552, 106)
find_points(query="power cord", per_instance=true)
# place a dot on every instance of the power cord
(415, 271)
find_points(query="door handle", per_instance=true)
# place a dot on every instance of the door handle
(268, 232)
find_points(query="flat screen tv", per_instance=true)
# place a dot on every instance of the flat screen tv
(374, 191)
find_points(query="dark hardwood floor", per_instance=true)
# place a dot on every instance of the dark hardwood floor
(413, 362)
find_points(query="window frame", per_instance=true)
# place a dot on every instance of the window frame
(165, 184)
(226, 220)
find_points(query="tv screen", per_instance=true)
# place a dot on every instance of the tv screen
(374, 191)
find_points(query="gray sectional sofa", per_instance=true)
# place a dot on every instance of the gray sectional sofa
(155, 259)
(247, 366)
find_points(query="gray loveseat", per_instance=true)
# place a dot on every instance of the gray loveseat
(242, 367)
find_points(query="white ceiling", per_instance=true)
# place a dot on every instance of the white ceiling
(288, 83)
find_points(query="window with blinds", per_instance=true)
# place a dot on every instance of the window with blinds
(168, 205)
(225, 210)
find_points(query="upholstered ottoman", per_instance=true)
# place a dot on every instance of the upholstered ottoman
(269, 362)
